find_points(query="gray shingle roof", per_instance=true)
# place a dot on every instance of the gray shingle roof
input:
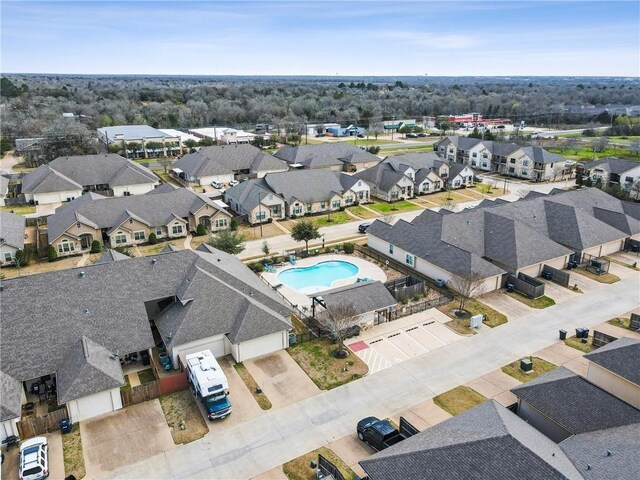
(88, 368)
(612, 165)
(365, 297)
(72, 173)
(383, 176)
(621, 357)
(4, 186)
(574, 403)
(108, 303)
(12, 229)
(111, 255)
(591, 449)
(486, 442)
(11, 398)
(304, 185)
(163, 188)
(416, 161)
(325, 155)
(249, 193)
(153, 210)
(225, 159)
(540, 155)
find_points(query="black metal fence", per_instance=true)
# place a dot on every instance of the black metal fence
(406, 429)
(631, 245)
(600, 339)
(526, 285)
(594, 264)
(406, 310)
(556, 276)
(405, 287)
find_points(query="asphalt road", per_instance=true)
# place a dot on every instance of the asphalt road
(263, 443)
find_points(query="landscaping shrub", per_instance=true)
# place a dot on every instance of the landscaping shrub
(269, 220)
(257, 267)
(96, 246)
(293, 217)
(342, 208)
(348, 248)
(201, 230)
(21, 258)
(233, 226)
(153, 239)
(52, 254)
(404, 301)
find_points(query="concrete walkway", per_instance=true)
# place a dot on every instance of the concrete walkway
(280, 435)
(83, 259)
(187, 242)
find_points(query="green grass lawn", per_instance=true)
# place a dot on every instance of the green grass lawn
(540, 367)
(300, 468)
(396, 207)
(406, 149)
(19, 209)
(336, 219)
(261, 398)
(362, 212)
(146, 376)
(585, 153)
(576, 343)
(459, 400)
(621, 322)
(541, 302)
(474, 307)
(363, 142)
(605, 278)
(72, 453)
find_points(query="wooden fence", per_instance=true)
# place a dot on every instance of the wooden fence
(38, 425)
(556, 276)
(405, 287)
(600, 339)
(406, 310)
(140, 393)
(526, 285)
(634, 321)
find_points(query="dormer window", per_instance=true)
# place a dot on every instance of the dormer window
(78, 225)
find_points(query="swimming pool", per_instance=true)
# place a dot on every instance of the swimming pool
(318, 277)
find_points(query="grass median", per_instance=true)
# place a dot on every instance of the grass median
(262, 400)
(72, 453)
(459, 400)
(540, 367)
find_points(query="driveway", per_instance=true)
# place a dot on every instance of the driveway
(125, 437)
(244, 405)
(558, 292)
(56, 460)
(394, 342)
(281, 379)
(503, 303)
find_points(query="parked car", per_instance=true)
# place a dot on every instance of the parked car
(422, 134)
(363, 227)
(233, 183)
(412, 135)
(34, 459)
(216, 185)
(318, 135)
(379, 434)
(360, 135)
(477, 179)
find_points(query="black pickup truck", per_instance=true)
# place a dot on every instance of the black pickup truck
(379, 434)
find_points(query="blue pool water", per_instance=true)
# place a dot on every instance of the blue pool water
(319, 277)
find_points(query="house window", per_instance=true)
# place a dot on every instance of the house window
(451, 150)
(628, 179)
(484, 155)
(138, 235)
(512, 160)
(485, 165)
(297, 210)
(259, 216)
(336, 203)
(474, 155)
(78, 225)
(525, 173)
(222, 222)
(66, 246)
(177, 229)
(8, 257)
(158, 231)
(409, 259)
(442, 148)
(120, 238)
(525, 163)
(391, 249)
(349, 200)
(131, 220)
(322, 205)
(451, 157)
(512, 170)
(456, 183)
(473, 163)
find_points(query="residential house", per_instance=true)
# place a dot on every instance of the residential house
(4, 189)
(130, 220)
(428, 171)
(255, 199)
(613, 171)
(224, 163)
(486, 442)
(456, 149)
(386, 183)
(356, 190)
(340, 156)
(140, 135)
(488, 241)
(460, 176)
(533, 163)
(614, 368)
(66, 178)
(308, 192)
(561, 404)
(12, 236)
(191, 300)
(370, 303)
(486, 155)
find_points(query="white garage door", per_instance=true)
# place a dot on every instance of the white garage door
(215, 345)
(94, 405)
(261, 346)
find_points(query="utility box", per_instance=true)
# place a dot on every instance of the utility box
(526, 365)
(476, 320)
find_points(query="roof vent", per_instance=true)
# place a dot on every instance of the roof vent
(588, 467)
(1, 288)
(219, 260)
(608, 453)
(87, 311)
(154, 261)
(81, 274)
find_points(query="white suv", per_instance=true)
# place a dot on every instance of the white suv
(34, 461)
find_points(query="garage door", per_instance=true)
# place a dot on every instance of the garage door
(94, 405)
(215, 345)
(260, 346)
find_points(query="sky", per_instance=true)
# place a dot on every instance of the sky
(323, 37)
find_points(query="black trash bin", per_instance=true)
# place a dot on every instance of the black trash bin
(65, 425)
(563, 334)
(585, 332)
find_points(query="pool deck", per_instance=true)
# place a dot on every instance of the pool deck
(366, 270)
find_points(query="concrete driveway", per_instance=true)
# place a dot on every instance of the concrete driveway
(503, 303)
(244, 405)
(281, 379)
(56, 460)
(351, 451)
(394, 342)
(558, 292)
(125, 437)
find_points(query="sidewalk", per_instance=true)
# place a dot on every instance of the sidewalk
(272, 439)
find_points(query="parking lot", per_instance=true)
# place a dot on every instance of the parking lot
(394, 342)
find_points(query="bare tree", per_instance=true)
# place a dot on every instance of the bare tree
(388, 218)
(449, 204)
(600, 144)
(339, 318)
(523, 192)
(634, 191)
(466, 285)
(557, 170)
(166, 161)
